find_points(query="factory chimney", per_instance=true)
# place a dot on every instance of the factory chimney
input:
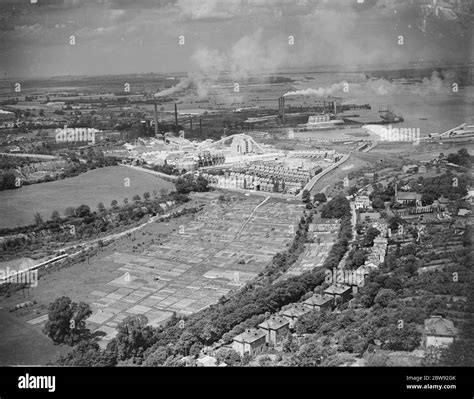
(156, 117)
(176, 116)
(283, 109)
(335, 108)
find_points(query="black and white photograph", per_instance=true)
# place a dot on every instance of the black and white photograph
(258, 188)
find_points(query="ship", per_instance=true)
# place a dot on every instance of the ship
(389, 116)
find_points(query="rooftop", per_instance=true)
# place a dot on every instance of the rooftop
(318, 300)
(249, 336)
(337, 289)
(274, 323)
(296, 311)
(408, 195)
(437, 325)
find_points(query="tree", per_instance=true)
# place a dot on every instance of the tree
(88, 354)
(114, 204)
(133, 337)
(163, 192)
(352, 190)
(125, 201)
(358, 258)
(55, 216)
(136, 198)
(66, 321)
(101, 207)
(378, 203)
(320, 197)
(377, 359)
(158, 357)
(306, 196)
(185, 184)
(369, 236)
(384, 297)
(146, 196)
(310, 354)
(70, 211)
(83, 211)
(400, 339)
(228, 356)
(38, 219)
(202, 184)
(337, 208)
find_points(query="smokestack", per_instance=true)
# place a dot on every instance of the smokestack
(156, 117)
(283, 110)
(176, 116)
(335, 108)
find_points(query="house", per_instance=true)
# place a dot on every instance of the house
(319, 302)
(407, 198)
(275, 329)
(339, 291)
(439, 332)
(366, 269)
(464, 212)
(251, 341)
(362, 202)
(294, 312)
(441, 203)
(410, 168)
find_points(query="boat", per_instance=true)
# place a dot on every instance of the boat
(388, 116)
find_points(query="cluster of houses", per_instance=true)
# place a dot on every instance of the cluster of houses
(272, 331)
(438, 331)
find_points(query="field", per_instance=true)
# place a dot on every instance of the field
(17, 207)
(180, 266)
(22, 344)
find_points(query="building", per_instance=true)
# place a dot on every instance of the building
(410, 168)
(294, 312)
(319, 302)
(275, 329)
(251, 341)
(362, 202)
(242, 145)
(439, 332)
(339, 291)
(408, 198)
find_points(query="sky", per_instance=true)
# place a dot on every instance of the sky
(40, 38)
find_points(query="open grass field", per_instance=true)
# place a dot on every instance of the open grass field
(17, 207)
(23, 344)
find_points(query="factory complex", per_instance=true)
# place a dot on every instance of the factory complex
(235, 162)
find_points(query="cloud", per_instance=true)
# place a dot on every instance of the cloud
(209, 9)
